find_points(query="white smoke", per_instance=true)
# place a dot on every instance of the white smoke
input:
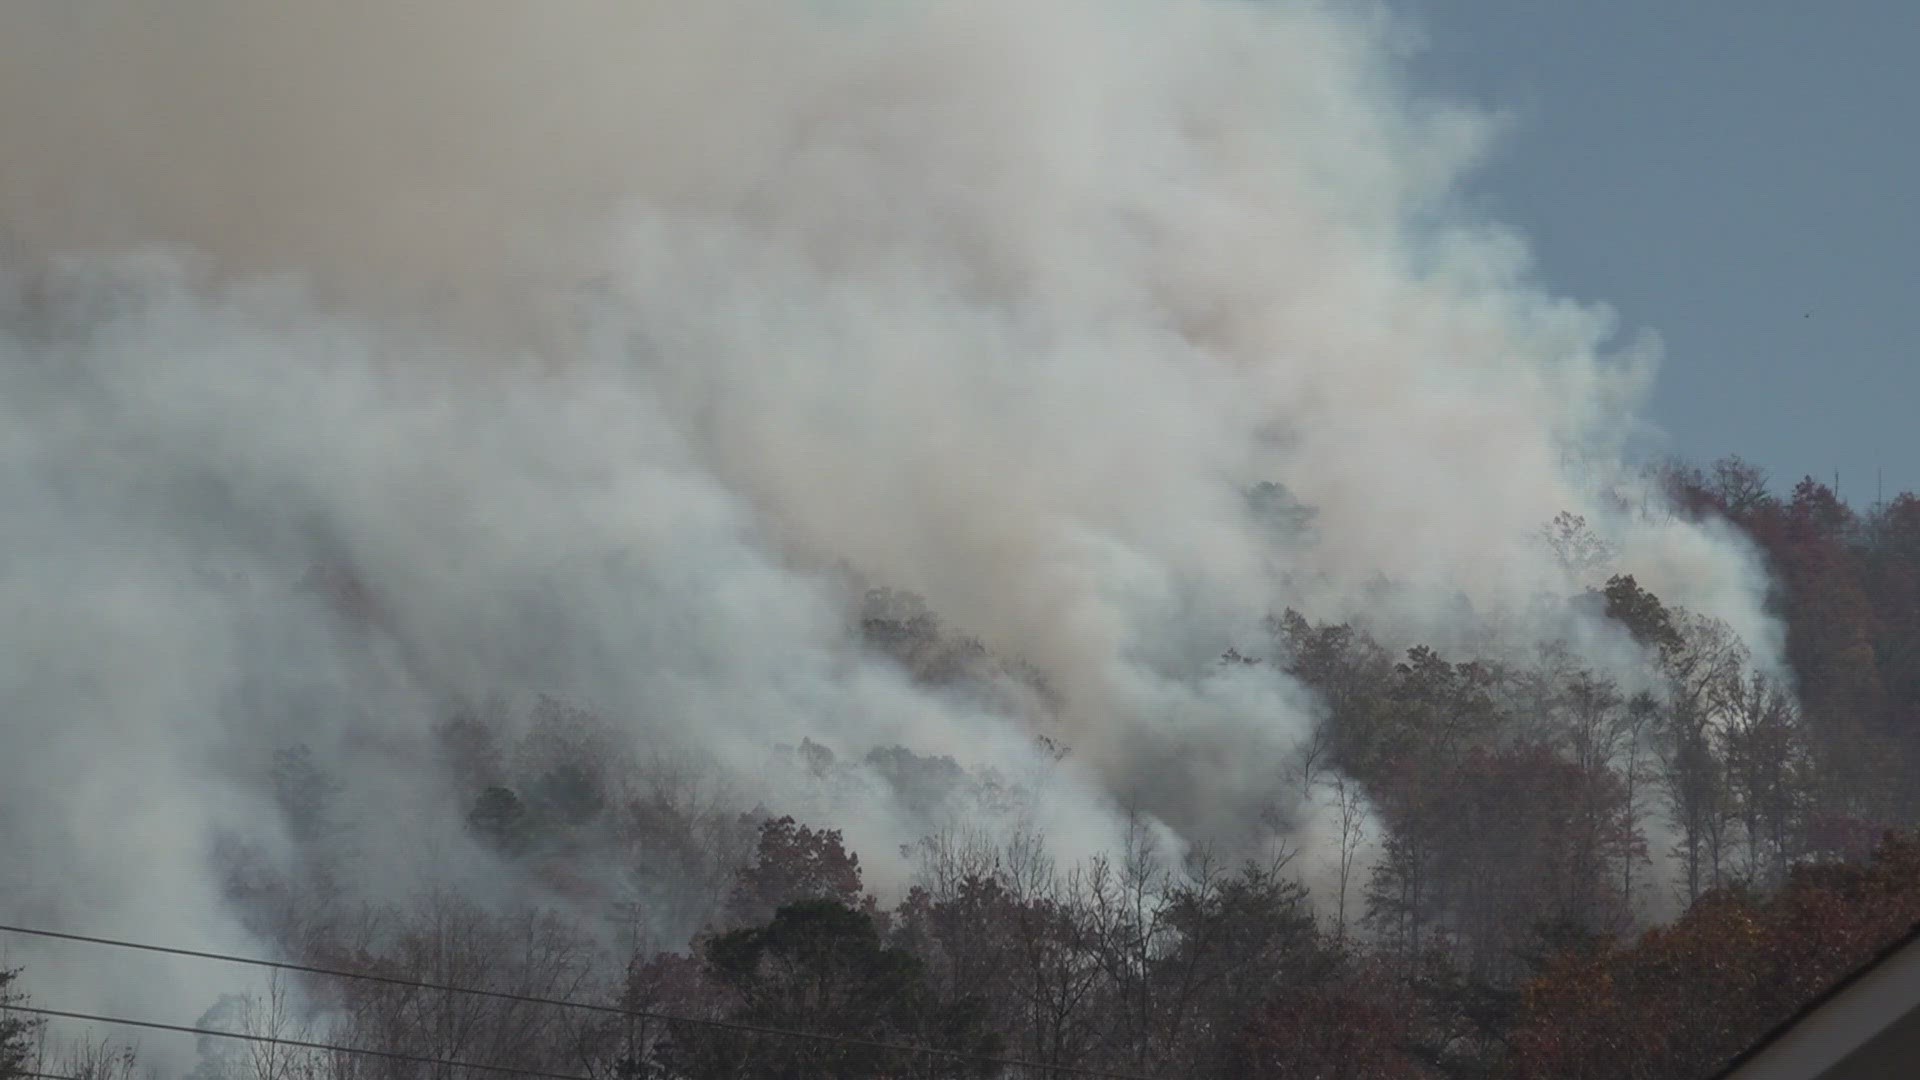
(607, 342)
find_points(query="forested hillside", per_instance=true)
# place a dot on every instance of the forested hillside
(754, 539)
(1535, 872)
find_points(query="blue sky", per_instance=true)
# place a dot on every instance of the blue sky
(1742, 176)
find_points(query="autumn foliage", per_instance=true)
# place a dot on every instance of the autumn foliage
(1684, 998)
(1526, 867)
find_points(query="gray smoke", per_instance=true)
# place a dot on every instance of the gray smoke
(615, 348)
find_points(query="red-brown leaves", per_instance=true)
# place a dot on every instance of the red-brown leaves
(795, 863)
(1687, 997)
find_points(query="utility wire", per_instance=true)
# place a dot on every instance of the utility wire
(392, 1055)
(611, 1010)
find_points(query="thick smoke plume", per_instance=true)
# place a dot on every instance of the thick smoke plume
(614, 350)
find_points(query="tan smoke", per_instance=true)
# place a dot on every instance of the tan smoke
(1004, 302)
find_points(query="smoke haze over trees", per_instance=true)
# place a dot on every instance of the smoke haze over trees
(1033, 530)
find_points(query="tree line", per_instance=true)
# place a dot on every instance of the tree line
(1538, 870)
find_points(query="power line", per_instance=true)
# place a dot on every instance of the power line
(392, 1055)
(611, 1010)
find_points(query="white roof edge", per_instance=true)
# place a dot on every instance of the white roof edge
(1843, 1023)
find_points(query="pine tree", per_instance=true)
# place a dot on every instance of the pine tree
(17, 1030)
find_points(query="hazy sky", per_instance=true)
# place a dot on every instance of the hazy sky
(1742, 176)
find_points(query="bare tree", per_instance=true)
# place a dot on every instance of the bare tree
(1576, 546)
(87, 1059)
(1703, 681)
(275, 1016)
(1769, 770)
(449, 941)
(1636, 730)
(1351, 812)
